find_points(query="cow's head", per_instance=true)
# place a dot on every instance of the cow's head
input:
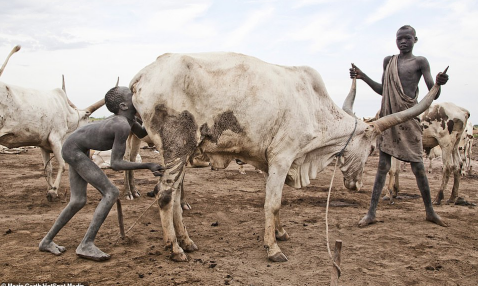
(84, 114)
(356, 153)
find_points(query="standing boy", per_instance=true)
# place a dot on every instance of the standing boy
(103, 135)
(399, 90)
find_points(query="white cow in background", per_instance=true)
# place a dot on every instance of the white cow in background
(103, 158)
(30, 117)
(279, 119)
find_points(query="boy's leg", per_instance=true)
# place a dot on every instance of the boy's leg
(418, 170)
(96, 177)
(383, 168)
(77, 201)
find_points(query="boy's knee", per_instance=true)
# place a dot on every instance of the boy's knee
(77, 203)
(418, 169)
(112, 193)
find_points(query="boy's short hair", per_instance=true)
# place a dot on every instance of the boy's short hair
(113, 98)
(408, 27)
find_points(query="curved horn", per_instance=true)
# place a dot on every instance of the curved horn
(393, 119)
(348, 105)
(14, 50)
(64, 90)
(63, 83)
(117, 82)
(92, 108)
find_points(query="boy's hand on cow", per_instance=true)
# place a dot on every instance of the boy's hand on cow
(355, 72)
(157, 169)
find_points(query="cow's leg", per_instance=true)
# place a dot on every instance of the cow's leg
(457, 166)
(447, 158)
(181, 233)
(55, 144)
(47, 166)
(393, 182)
(468, 156)
(274, 184)
(280, 233)
(184, 204)
(133, 143)
(171, 219)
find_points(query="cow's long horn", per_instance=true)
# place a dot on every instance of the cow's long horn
(393, 119)
(64, 90)
(117, 82)
(14, 50)
(348, 105)
(92, 108)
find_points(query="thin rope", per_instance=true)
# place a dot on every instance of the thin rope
(339, 271)
(131, 227)
(341, 152)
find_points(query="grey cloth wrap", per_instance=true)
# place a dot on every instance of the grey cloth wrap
(403, 141)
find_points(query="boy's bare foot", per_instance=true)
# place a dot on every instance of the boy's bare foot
(436, 219)
(90, 251)
(366, 220)
(51, 247)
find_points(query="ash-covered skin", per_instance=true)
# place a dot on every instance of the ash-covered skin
(111, 133)
(411, 69)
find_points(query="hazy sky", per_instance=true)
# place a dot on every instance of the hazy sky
(94, 42)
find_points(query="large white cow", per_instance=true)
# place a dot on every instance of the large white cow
(30, 117)
(443, 125)
(279, 119)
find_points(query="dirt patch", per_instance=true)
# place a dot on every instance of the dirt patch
(227, 224)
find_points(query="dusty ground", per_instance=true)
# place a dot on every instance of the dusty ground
(227, 222)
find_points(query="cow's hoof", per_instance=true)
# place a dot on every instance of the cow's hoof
(51, 194)
(185, 206)
(179, 257)
(131, 196)
(282, 237)
(190, 247)
(278, 257)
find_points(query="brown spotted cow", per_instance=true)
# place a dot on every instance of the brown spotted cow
(443, 125)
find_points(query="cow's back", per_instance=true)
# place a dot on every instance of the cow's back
(236, 92)
(27, 115)
(443, 120)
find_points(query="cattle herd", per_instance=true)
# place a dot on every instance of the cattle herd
(212, 105)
